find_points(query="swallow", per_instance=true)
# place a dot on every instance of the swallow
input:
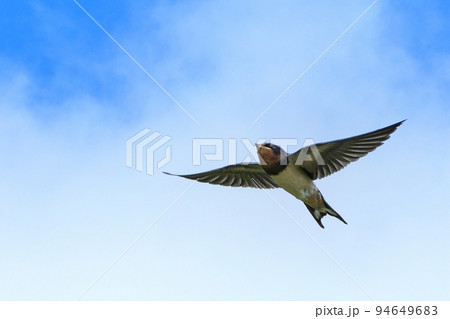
(296, 172)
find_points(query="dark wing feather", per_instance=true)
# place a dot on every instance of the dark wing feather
(240, 175)
(338, 154)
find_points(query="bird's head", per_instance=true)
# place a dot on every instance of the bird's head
(270, 154)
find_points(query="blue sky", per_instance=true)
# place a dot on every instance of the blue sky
(70, 98)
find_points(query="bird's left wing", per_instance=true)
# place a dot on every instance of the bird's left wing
(323, 159)
(239, 175)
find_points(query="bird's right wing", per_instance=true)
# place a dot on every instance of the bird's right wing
(239, 175)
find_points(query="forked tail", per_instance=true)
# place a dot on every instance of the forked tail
(319, 213)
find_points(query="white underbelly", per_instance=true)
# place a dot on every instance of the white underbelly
(296, 182)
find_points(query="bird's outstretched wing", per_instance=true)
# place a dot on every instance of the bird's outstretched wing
(323, 159)
(240, 175)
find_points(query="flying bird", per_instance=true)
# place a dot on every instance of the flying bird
(296, 172)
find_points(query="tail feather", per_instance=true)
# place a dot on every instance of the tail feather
(332, 212)
(318, 214)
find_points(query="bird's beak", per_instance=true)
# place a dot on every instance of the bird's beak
(259, 146)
